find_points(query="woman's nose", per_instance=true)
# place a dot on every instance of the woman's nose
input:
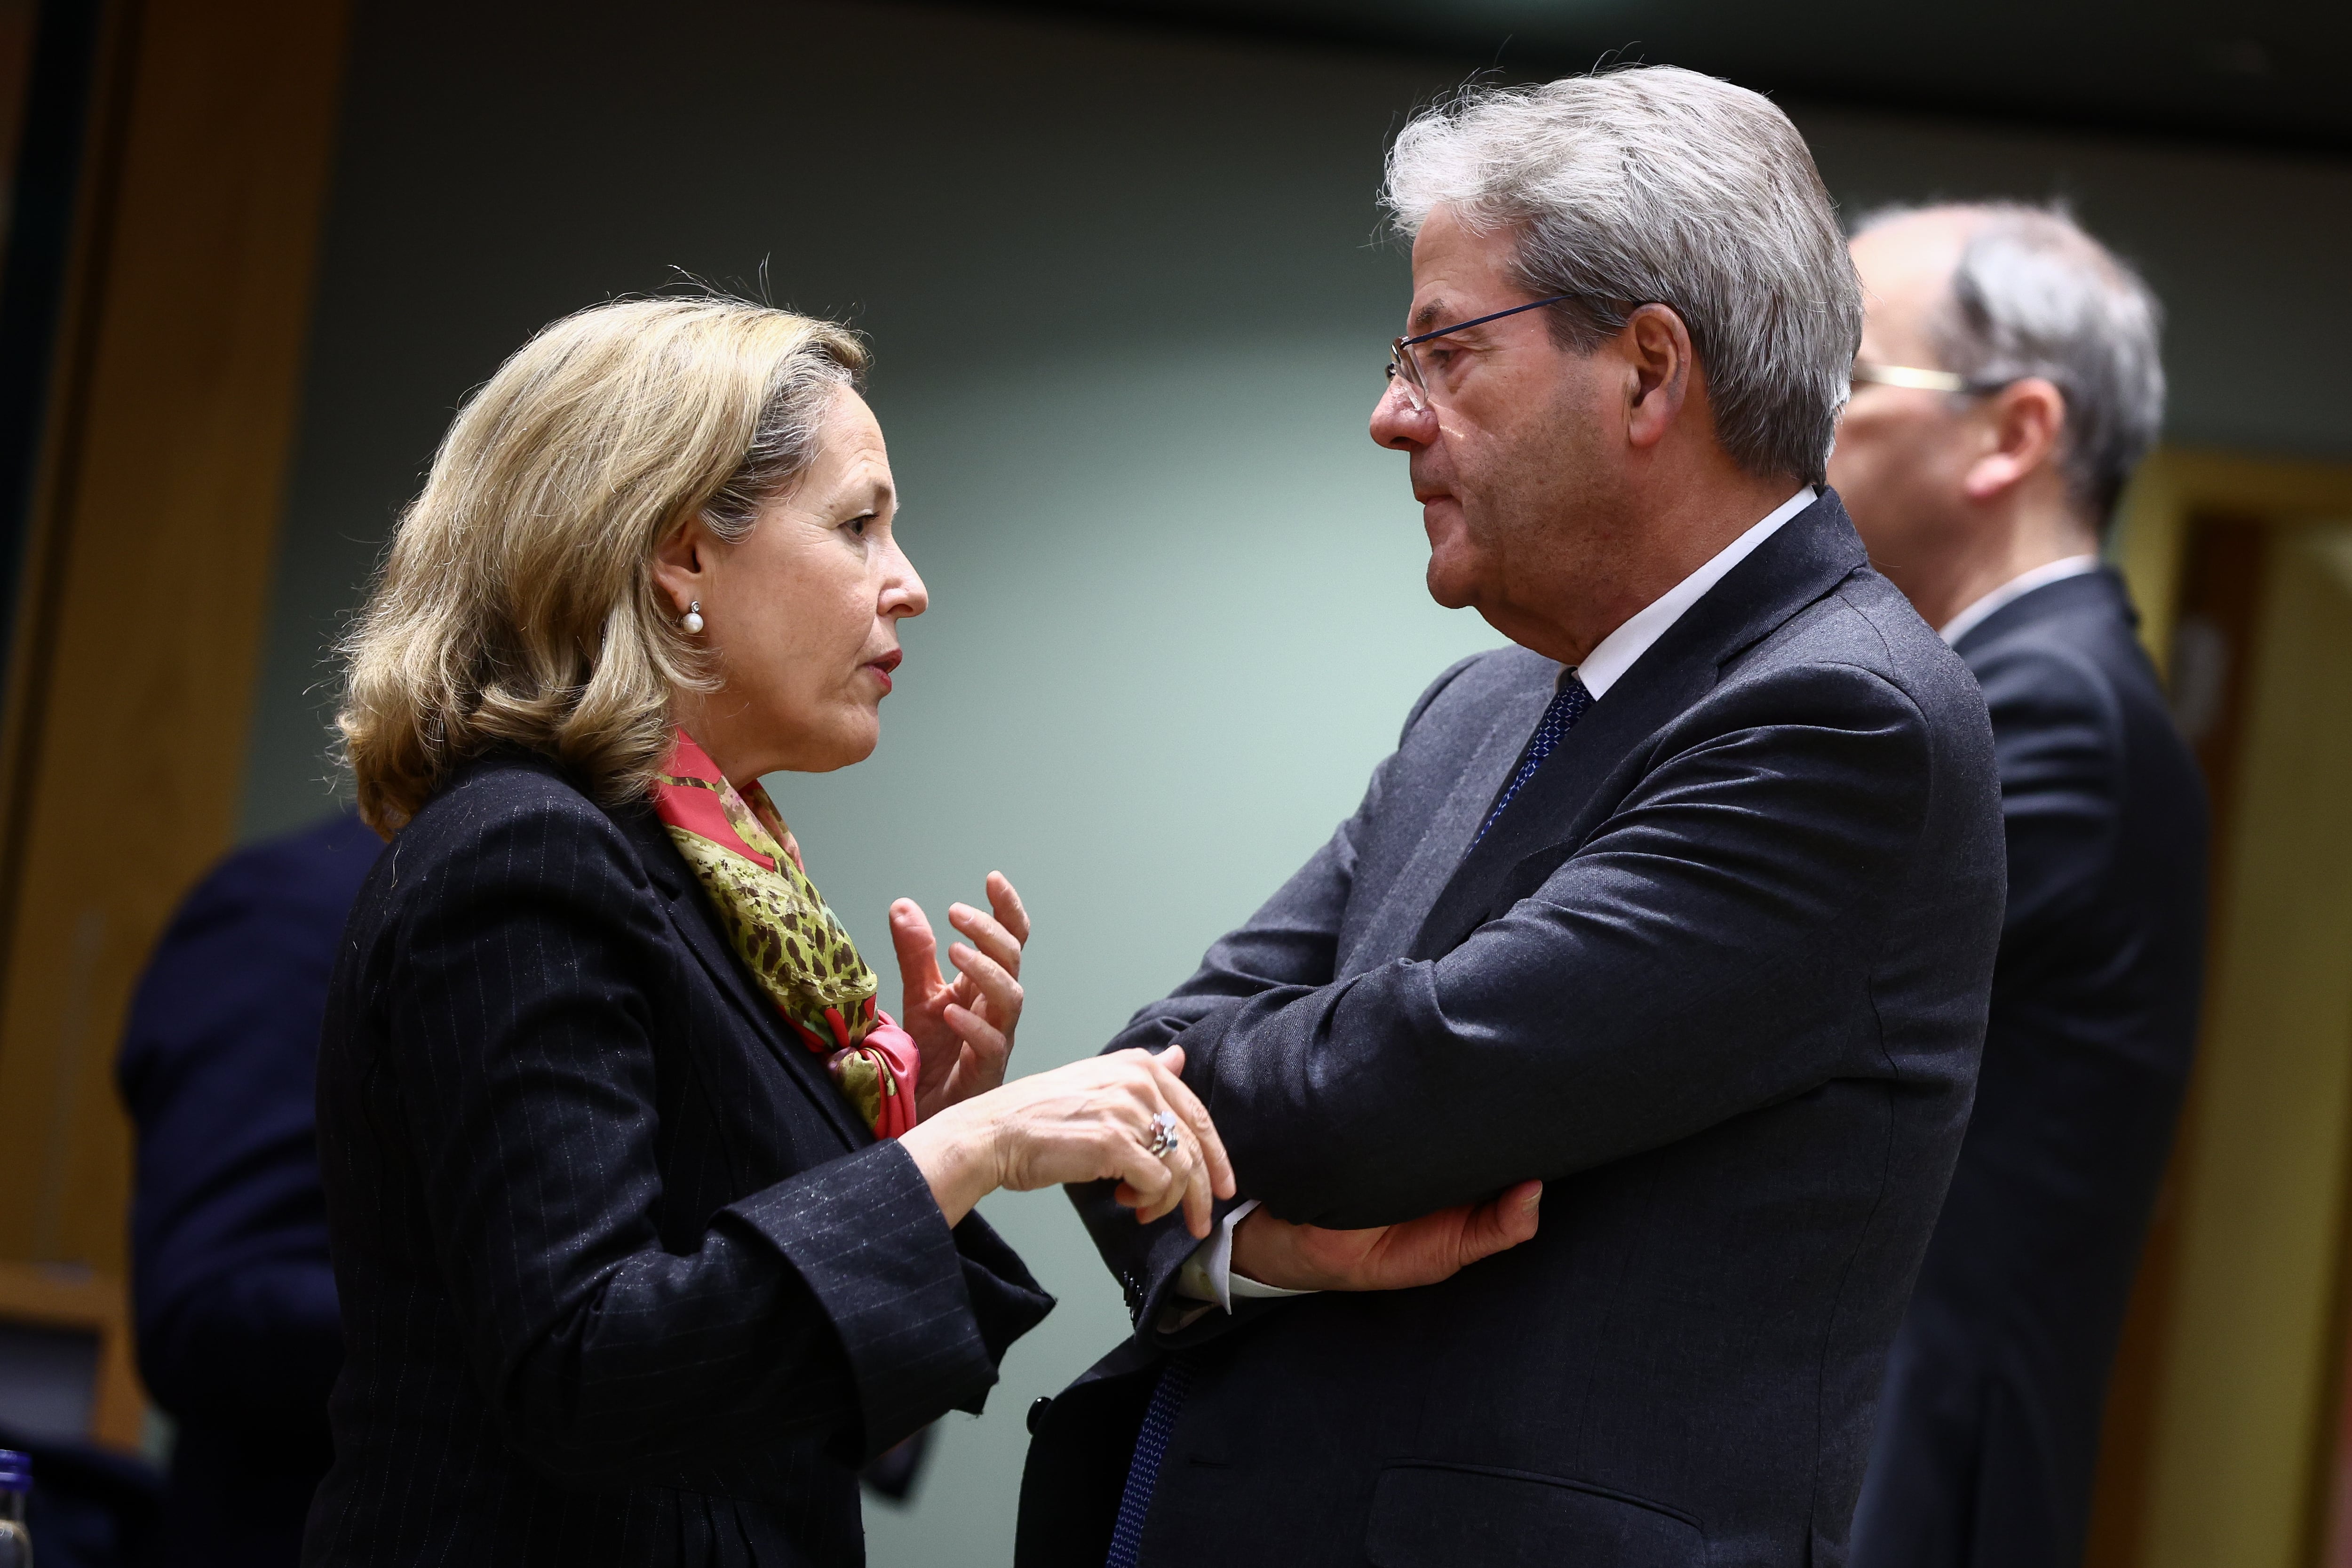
(903, 593)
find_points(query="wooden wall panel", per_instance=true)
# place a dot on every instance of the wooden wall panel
(2245, 1379)
(2211, 1440)
(141, 626)
(62, 1296)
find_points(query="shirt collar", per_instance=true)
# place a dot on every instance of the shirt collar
(1968, 620)
(1616, 653)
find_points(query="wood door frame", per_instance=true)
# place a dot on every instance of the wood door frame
(59, 1296)
(2178, 483)
(174, 392)
(2175, 489)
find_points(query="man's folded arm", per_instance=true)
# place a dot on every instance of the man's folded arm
(1291, 941)
(1286, 945)
(1611, 1011)
(1294, 938)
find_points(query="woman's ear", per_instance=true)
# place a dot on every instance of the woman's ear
(681, 564)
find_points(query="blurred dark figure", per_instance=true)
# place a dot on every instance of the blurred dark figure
(238, 1337)
(2009, 382)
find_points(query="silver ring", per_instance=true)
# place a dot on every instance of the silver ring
(1165, 1139)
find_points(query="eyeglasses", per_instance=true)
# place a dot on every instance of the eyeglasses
(1405, 368)
(1927, 380)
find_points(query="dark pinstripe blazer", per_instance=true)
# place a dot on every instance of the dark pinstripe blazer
(623, 1280)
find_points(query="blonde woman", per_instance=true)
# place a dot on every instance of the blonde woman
(648, 1224)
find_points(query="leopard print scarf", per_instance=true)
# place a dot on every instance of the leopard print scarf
(779, 925)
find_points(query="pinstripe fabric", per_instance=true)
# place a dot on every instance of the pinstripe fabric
(623, 1282)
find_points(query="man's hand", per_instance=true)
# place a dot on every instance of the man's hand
(1387, 1257)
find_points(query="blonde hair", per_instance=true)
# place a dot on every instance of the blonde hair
(516, 603)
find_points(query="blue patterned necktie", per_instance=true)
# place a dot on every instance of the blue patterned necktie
(1567, 705)
(1143, 1471)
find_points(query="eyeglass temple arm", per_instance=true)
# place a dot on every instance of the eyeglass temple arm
(1481, 321)
(1921, 380)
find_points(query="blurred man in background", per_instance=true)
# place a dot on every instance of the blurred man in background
(2009, 382)
(239, 1340)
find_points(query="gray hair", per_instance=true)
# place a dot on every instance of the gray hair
(1658, 184)
(2033, 295)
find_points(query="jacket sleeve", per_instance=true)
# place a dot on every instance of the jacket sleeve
(523, 1016)
(235, 1293)
(1292, 942)
(1294, 938)
(1610, 1011)
(2058, 731)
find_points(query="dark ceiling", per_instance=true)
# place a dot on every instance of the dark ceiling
(2273, 72)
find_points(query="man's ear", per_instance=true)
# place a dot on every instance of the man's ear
(1657, 349)
(681, 564)
(2027, 419)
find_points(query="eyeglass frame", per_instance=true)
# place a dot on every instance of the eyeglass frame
(1871, 372)
(1404, 367)
(1407, 365)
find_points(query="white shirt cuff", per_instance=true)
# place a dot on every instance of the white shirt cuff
(1208, 1275)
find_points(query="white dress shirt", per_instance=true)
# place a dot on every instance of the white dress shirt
(2024, 583)
(1207, 1276)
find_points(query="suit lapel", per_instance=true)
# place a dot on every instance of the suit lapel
(1811, 554)
(691, 915)
(1443, 842)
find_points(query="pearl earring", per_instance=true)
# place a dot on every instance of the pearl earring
(693, 621)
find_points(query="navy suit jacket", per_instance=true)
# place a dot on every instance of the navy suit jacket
(624, 1279)
(1987, 1435)
(1717, 975)
(234, 1297)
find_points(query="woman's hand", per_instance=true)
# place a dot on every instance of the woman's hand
(964, 1030)
(1387, 1257)
(1091, 1121)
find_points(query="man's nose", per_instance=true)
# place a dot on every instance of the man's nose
(1398, 425)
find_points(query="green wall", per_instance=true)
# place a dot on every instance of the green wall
(1130, 314)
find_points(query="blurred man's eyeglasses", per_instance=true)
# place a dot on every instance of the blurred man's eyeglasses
(1404, 365)
(1926, 380)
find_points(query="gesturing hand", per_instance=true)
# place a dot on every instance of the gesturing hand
(1091, 1121)
(965, 1030)
(1386, 1258)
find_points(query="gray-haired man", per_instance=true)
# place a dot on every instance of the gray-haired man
(2009, 382)
(1686, 906)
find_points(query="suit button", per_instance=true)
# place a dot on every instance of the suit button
(1038, 1413)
